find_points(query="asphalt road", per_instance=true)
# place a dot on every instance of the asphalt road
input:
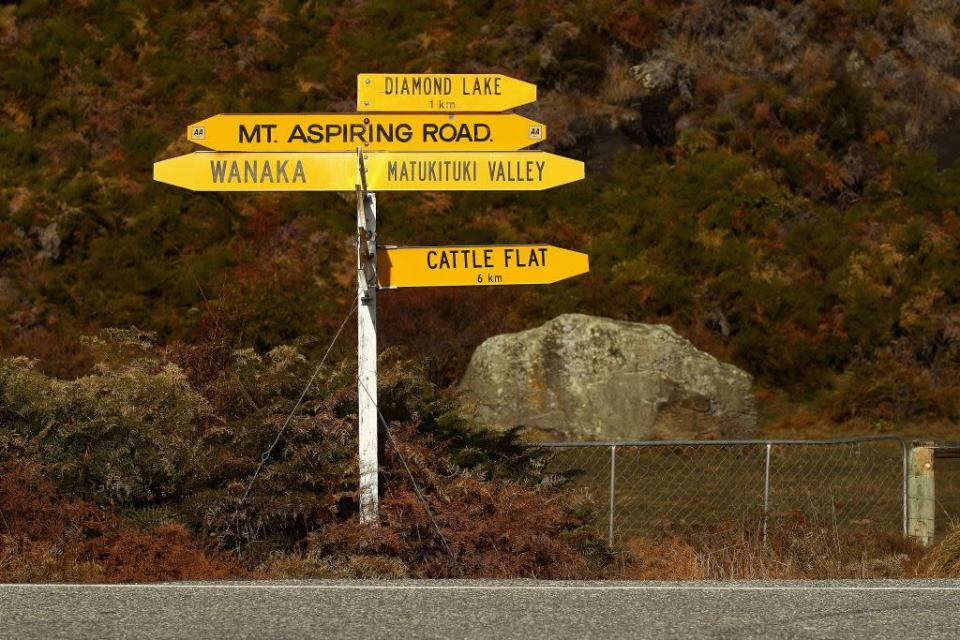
(485, 609)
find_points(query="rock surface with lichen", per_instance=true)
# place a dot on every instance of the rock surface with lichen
(587, 377)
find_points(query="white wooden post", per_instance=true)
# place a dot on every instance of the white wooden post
(766, 494)
(367, 353)
(920, 493)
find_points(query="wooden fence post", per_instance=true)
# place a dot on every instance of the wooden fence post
(920, 493)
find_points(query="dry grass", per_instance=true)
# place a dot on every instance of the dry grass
(794, 550)
(619, 85)
(943, 559)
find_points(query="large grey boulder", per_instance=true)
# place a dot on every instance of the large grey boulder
(595, 378)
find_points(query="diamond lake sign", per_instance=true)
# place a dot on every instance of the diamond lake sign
(441, 92)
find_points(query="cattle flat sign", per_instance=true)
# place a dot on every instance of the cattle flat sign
(385, 171)
(464, 266)
(441, 92)
(372, 132)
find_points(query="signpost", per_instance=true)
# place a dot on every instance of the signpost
(367, 412)
(386, 171)
(434, 150)
(464, 266)
(370, 131)
(441, 92)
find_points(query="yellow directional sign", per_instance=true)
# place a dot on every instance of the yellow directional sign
(373, 132)
(385, 171)
(441, 92)
(464, 266)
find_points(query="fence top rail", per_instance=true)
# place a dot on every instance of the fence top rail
(719, 443)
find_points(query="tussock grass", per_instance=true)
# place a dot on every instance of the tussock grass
(794, 550)
(943, 559)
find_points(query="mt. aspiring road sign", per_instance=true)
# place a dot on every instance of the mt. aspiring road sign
(461, 266)
(441, 92)
(372, 132)
(386, 171)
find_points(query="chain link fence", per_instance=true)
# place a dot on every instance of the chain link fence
(947, 501)
(668, 487)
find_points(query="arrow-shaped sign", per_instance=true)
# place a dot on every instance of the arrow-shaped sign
(385, 171)
(372, 132)
(464, 266)
(441, 92)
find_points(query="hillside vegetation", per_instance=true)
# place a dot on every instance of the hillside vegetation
(777, 180)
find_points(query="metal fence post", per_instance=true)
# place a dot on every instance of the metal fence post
(906, 487)
(613, 488)
(766, 494)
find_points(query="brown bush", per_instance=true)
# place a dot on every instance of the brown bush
(47, 538)
(491, 529)
(56, 352)
(167, 552)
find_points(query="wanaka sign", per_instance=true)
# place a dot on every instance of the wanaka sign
(412, 132)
